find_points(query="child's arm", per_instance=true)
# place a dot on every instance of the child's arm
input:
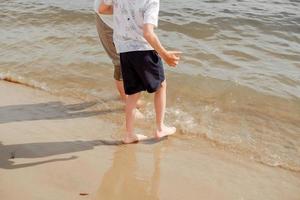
(105, 9)
(170, 57)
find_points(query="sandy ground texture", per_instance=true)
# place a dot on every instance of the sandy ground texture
(54, 148)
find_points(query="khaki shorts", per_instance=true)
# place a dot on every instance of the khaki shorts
(106, 37)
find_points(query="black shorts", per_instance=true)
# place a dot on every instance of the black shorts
(141, 70)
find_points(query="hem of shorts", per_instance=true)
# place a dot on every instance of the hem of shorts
(118, 79)
(157, 87)
(134, 91)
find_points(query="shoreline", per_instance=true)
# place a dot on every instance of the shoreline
(58, 148)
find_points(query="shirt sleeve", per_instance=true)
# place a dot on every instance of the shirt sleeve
(151, 12)
(108, 2)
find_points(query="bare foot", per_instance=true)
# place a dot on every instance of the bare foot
(165, 131)
(133, 138)
(138, 114)
(140, 103)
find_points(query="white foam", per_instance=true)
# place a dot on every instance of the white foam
(11, 77)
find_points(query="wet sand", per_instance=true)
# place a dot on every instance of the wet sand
(60, 148)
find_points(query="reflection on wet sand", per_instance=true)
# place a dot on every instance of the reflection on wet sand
(126, 179)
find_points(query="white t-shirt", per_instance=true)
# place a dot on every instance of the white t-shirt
(129, 18)
(107, 19)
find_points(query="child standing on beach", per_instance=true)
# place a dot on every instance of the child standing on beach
(140, 55)
(104, 24)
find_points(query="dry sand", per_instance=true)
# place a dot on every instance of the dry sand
(58, 148)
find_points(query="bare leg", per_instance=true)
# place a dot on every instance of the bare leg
(123, 96)
(120, 88)
(160, 107)
(130, 136)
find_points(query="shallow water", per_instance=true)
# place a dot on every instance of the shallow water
(238, 84)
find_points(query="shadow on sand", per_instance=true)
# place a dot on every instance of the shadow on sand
(39, 150)
(49, 111)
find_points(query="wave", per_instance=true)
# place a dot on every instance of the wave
(50, 15)
(188, 125)
(9, 77)
(192, 29)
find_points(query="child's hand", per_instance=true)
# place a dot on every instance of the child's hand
(172, 58)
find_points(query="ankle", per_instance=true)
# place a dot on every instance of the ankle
(129, 135)
(160, 127)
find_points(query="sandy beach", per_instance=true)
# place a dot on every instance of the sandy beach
(60, 148)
